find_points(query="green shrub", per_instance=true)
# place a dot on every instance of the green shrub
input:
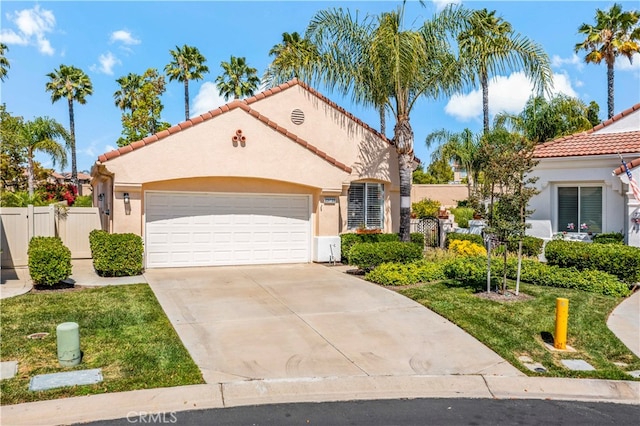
(369, 255)
(462, 216)
(619, 260)
(608, 238)
(348, 240)
(49, 260)
(531, 246)
(473, 271)
(425, 208)
(116, 255)
(83, 201)
(417, 238)
(474, 238)
(406, 274)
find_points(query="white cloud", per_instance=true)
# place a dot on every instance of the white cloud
(107, 62)
(109, 148)
(557, 61)
(506, 94)
(33, 25)
(441, 4)
(124, 37)
(562, 85)
(207, 99)
(623, 64)
(8, 36)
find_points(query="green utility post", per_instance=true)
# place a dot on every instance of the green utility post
(68, 336)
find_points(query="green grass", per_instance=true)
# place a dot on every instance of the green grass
(513, 329)
(123, 331)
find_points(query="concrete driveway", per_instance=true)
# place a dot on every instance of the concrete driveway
(310, 321)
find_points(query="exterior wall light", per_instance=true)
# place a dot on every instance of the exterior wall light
(126, 198)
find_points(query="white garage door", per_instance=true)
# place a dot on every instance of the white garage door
(196, 229)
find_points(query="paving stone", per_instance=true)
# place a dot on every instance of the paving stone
(69, 378)
(577, 365)
(8, 369)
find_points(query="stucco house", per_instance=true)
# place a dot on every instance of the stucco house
(274, 178)
(583, 187)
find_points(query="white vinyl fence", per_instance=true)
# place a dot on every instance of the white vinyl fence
(19, 224)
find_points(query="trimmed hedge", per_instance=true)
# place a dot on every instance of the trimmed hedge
(619, 260)
(467, 248)
(474, 238)
(367, 256)
(608, 238)
(349, 240)
(49, 260)
(473, 271)
(116, 255)
(531, 246)
(406, 274)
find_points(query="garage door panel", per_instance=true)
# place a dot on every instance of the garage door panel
(213, 229)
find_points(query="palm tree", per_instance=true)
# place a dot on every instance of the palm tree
(488, 46)
(238, 79)
(542, 120)
(616, 33)
(187, 64)
(4, 62)
(462, 148)
(40, 135)
(382, 64)
(125, 97)
(73, 84)
(294, 57)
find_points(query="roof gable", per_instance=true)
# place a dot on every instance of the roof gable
(245, 106)
(600, 140)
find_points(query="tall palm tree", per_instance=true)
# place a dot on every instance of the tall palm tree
(187, 64)
(125, 97)
(41, 135)
(542, 120)
(73, 84)
(383, 64)
(237, 79)
(462, 148)
(293, 58)
(615, 33)
(4, 62)
(488, 47)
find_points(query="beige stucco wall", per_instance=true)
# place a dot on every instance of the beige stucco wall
(204, 158)
(448, 195)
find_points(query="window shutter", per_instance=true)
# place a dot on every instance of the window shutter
(568, 209)
(591, 208)
(375, 205)
(355, 209)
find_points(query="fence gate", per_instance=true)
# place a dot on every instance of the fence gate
(430, 228)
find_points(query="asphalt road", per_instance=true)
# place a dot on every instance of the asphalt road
(401, 412)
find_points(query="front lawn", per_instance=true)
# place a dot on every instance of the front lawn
(123, 331)
(514, 329)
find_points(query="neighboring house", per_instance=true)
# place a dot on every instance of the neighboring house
(271, 179)
(582, 185)
(64, 178)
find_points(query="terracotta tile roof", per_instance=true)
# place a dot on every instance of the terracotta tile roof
(630, 164)
(592, 143)
(245, 106)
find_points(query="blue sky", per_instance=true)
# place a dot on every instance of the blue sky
(111, 39)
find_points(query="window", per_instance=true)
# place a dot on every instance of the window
(366, 206)
(580, 209)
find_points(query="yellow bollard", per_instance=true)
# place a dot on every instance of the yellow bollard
(562, 315)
